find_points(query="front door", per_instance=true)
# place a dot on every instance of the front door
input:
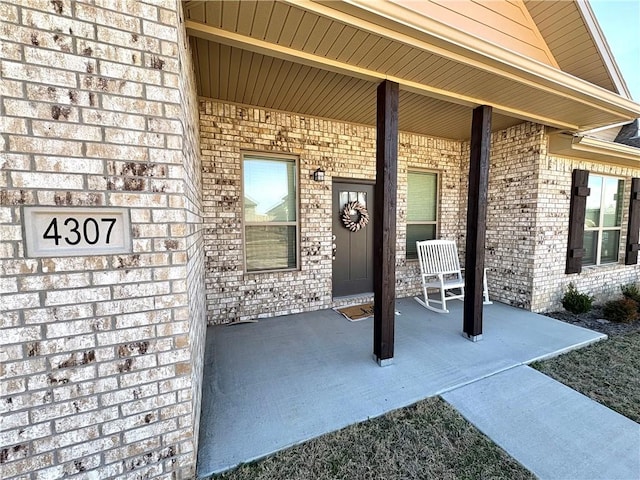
(352, 239)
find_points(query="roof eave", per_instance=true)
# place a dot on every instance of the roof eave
(480, 53)
(591, 22)
(593, 149)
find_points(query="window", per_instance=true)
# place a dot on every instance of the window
(270, 188)
(422, 209)
(603, 219)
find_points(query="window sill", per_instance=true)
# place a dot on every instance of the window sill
(279, 270)
(605, 265)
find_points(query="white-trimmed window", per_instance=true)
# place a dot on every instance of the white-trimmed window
(422, 209)
(270, 191)
(603, 220)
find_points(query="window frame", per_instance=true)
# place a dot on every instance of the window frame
(601, 228)
(435, 222)
(272, 157)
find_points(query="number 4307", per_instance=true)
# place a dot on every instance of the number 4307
(75, 231)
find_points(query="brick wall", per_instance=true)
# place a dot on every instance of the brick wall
(195, 313)
(549, 280)
(511, 213)
(344, 151)
(527, 217)
(101, 355)
(528, 224)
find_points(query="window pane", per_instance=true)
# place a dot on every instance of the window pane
(417, 233)
(269, 190)
(610, 242)
(592, 217)
(590, 245)
(347, 197)
(612, 202)
(270, 247)
(422, 191)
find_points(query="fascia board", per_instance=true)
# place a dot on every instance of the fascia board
(591, 22)
(606, 127)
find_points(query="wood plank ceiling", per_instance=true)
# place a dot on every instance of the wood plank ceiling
(246, 75)
(253, 79)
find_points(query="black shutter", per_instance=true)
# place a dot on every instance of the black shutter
(577, 210)
(633, 231)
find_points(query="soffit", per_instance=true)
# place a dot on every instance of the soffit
(565, 30)
(251, 78)
(319, 60)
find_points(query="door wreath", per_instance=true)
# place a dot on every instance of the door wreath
(363, 216)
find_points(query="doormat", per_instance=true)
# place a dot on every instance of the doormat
(355, 313)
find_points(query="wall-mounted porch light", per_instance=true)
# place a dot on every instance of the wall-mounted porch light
(318, 175)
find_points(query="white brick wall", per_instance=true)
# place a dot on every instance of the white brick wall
(344, 151)
(511, 213)
(528, 224)
(549, 279)
(527, 218)
(98, 108)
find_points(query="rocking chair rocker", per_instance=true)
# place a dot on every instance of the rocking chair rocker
(440, 269)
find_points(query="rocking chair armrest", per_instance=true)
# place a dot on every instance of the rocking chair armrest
(439, 277)
(430, 275)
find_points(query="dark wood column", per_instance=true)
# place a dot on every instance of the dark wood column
(633, 230)
(477, 221)
(384, 236)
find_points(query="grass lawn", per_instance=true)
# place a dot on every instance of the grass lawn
(427, 440)
(606, 372)
(431, 440)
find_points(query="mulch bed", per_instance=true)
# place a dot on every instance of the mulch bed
(594, 320)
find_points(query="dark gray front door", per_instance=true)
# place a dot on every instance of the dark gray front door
(353, 251)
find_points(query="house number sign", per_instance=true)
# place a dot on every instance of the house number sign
(70, 231)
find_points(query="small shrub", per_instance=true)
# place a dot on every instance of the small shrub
(576, 302)
(631, 291)
(624, 310)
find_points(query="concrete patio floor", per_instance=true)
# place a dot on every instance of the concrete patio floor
(285, 380)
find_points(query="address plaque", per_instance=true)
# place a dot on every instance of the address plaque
(71, 231)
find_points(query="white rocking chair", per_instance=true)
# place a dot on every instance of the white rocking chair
(440, 269)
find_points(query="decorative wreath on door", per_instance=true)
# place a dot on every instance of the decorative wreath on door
(361, 211)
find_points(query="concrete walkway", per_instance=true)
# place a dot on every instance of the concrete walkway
(285, 380)
(554, 431)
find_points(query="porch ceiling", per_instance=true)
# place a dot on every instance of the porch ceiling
(254, 79)
(325, 59)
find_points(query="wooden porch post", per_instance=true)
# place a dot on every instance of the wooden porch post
(633, 230)
(477, 221)
(384, 235)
